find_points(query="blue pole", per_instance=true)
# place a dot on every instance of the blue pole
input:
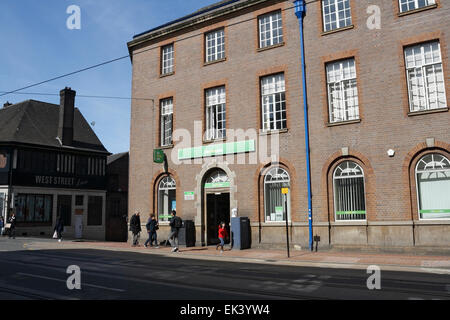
(300, 11)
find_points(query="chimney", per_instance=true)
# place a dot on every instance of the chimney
(7, 104)
(66, 113)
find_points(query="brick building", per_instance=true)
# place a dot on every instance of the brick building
(227, 110)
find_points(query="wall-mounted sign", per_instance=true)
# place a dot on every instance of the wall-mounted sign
(217, 185)
(189, 195)
(217, 150)
(4, 161)
(285, 190)
(158, 156)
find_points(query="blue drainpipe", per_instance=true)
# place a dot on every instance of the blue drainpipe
(300, 11)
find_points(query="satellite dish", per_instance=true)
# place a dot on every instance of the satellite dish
(93, 123)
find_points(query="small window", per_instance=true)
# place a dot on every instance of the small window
(336, 14)
(425, 76)
(166, 121)
(270, 29)
(166, 198)
(273, 96)
(433, 187)
(349, 192)
(215, 113)
(79, 200)
(275, 209)
(167, 59)
(408, 5)
(215, 45)
(342, 91)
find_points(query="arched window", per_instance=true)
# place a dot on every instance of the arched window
(433, 186)
(349, 192)
(166, 198)
(217, 179)
(274, 181)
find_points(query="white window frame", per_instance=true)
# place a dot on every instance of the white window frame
(415, 3)
(215, 45)
(166, 119)
(270, 35)
(422, 81)
(433, 170)
(342, 78)
(340, 23)
(353, 174)
(215, 105)
(278, 178)
(166, 184)
(167, 59)
(273, 87)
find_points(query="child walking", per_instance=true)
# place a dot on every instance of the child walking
(223, 234)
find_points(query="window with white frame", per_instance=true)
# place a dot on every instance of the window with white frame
(215, 45)
(408, 5)
(166, 121)
(349, 192)
(433, 186)
(342, 91)
(274, 181)
(425, 76)
(273, 96)
(166, 198)
(336, 14)
(270, 29)
(215, 113)
(167, 59)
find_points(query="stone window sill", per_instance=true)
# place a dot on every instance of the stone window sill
(214, 62)
(170, 146)
(271, 47)
(325, 33)
(269, 132)
(167, 74)
(343, 123)
(214, 141)
(418, 113)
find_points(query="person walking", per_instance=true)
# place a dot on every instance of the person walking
(152, 226)
(175, 224)
(59, 227)
(223, 234)
(135, 228)
(12, 228)
(2, 226)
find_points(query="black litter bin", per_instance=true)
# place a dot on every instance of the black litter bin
(186, 235)
(240, 233)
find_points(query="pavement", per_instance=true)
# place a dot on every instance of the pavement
(439, 264)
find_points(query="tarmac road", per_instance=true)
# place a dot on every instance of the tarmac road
(114, 275)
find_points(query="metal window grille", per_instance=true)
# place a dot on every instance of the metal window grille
(433, 186)
(342, 91)
(336, 14)
(273, 94)
(215, 45)
(274, 180)
(426, 87)
(349, 192)
(270, 29)
(215, 113)
(166, 121)
(217, 177)
(167, 59)
(407, 5)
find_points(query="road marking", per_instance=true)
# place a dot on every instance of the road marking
(55, 279)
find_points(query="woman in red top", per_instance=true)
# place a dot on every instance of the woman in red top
(223, 233)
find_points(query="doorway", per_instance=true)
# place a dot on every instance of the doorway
(65, 209)
(217, 211)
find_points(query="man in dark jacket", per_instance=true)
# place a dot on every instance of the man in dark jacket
(175, 225)
(12, 228)
(135, 227)
(152, 226)
(59, 227)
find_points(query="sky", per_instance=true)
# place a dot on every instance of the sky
(36, 45)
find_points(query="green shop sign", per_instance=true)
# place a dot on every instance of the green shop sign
(350, 212)
(158, 156)
(435, 211)
(217, 185)
(217, 150)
